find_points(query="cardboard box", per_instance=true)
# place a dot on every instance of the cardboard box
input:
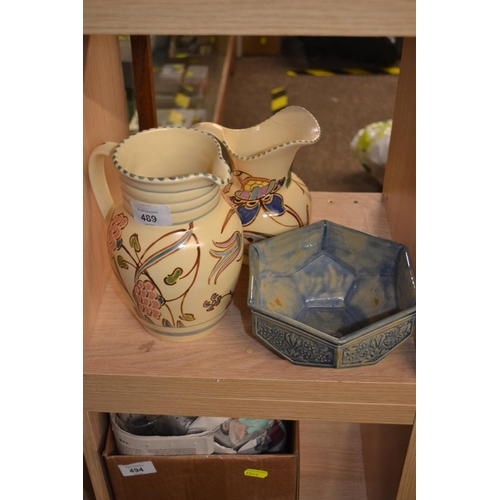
(205, 477)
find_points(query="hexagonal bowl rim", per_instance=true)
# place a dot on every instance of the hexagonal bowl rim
(297, 325)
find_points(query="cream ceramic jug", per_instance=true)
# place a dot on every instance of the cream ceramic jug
(269, 198)
(174, 242)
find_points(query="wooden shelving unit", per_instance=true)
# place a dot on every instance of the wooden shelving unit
(357, 426)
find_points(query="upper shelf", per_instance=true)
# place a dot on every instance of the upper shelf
(259, 17)
(230, 373)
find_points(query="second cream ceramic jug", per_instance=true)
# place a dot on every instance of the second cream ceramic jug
(269, 198)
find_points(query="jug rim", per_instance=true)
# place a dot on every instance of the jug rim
(173, 179)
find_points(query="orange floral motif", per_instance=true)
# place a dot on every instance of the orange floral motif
(116, 225)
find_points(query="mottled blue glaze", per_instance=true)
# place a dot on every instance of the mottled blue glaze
(328, 295)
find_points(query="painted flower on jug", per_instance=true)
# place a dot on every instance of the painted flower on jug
(214, 301)
(257, 193)
(147, 299)
(115, 232)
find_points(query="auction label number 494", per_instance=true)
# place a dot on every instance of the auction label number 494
(137, 469)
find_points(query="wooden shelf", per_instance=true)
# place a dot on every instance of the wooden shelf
(259, 17)
(230, 372)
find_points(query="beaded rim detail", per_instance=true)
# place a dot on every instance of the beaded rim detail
(131, 175)
(270, 150)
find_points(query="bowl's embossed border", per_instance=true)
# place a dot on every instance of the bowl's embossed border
(297, 347)
(371, 349)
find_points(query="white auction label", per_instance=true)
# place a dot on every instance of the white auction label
(137, 469)
(151, 215)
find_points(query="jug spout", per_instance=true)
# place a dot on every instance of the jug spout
(271, 144)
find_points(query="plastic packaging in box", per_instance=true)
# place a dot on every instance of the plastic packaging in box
(201, 443)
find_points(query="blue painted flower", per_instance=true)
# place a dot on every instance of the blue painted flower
(258, 193)
(213, 302)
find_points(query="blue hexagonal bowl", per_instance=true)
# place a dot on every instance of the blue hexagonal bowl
(327, 295)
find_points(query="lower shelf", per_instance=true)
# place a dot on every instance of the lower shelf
(340, 461)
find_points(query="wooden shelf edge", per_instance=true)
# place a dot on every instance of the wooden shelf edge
(227, 17)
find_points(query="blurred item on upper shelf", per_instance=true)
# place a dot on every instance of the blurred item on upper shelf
(184, 46)
(172, 117)
(189, 79)
(196, 76)
(371, 145)
(125, 48)
(168, 78)
(179, 100)
(369, 53)
(180, 117)
(261, 45)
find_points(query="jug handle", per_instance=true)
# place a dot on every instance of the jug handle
(98, 180)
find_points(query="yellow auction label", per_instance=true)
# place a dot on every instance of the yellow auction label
(256, 473)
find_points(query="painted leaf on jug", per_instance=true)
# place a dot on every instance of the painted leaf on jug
(225, 253)
(171, 279)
